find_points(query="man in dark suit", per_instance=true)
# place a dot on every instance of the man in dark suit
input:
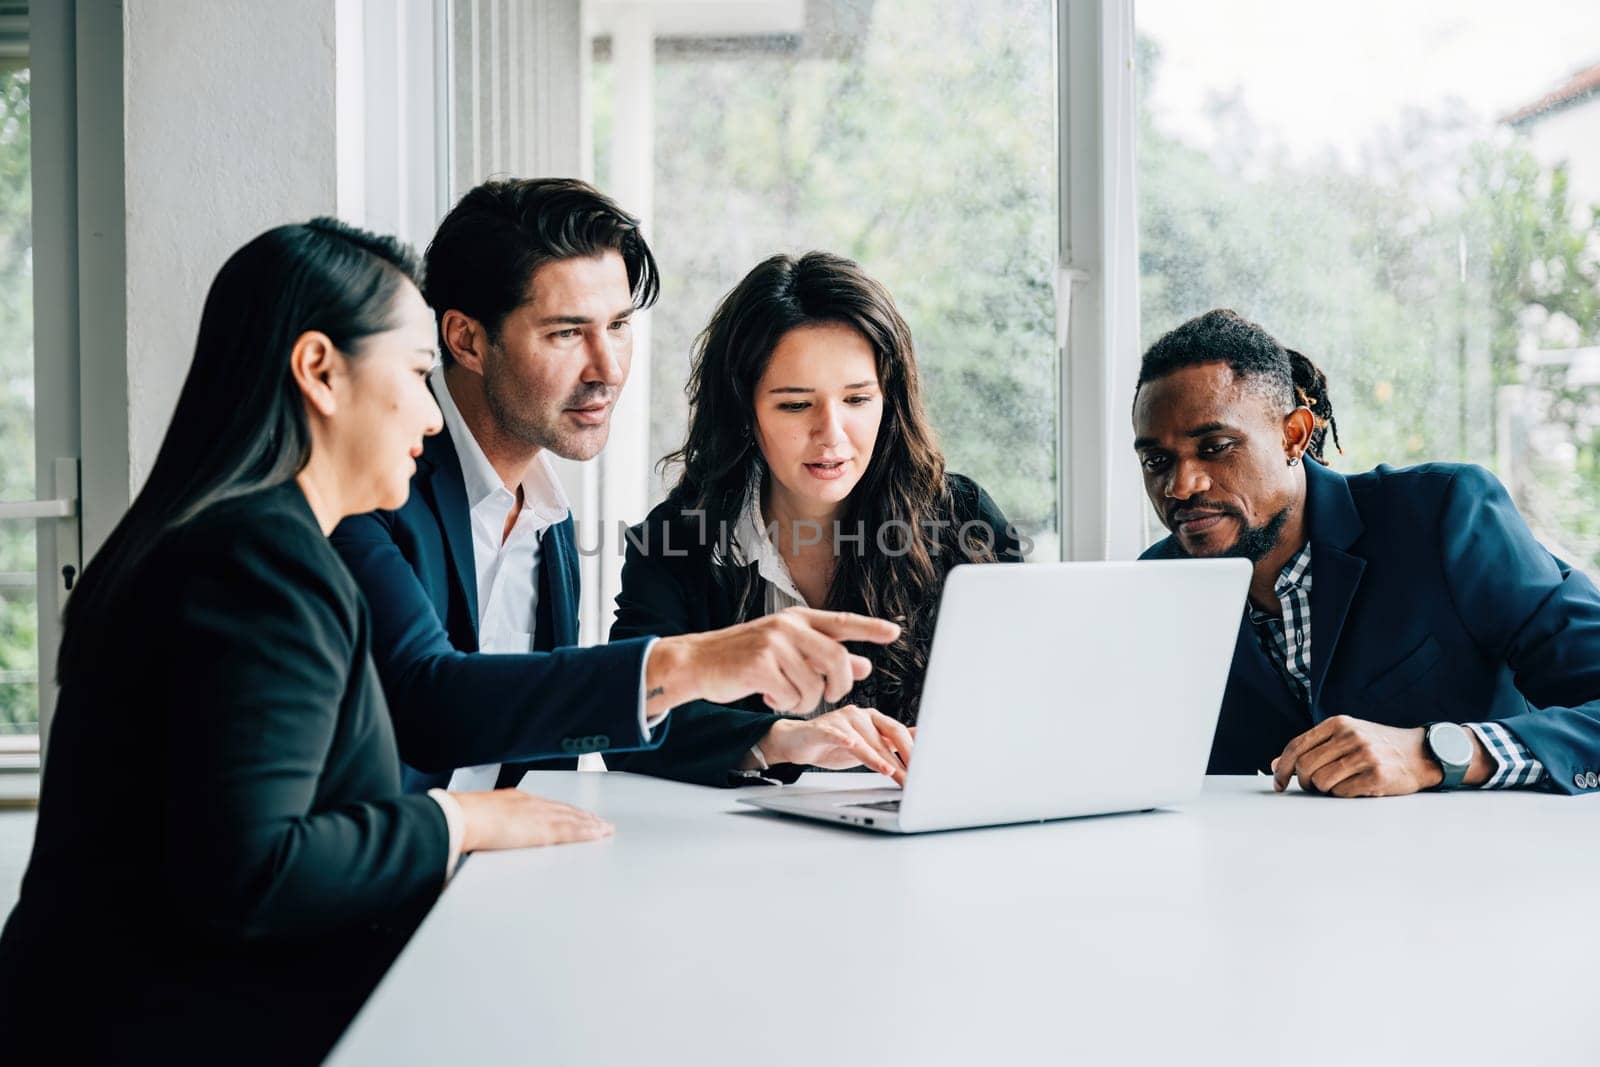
(473, 583)
(1404, 630)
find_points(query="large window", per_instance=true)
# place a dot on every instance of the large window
(1408, 193)
(915, 138)
(19, 617)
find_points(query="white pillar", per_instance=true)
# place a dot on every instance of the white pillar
(625, 470)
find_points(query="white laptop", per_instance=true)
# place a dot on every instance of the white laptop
(1056, 690)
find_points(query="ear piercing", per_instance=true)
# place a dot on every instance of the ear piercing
(1294, 461)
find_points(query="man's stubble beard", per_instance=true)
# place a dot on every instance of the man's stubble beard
(501, 395)
(1254, 543)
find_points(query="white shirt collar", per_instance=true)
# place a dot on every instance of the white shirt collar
(541, 489)
(753, 544)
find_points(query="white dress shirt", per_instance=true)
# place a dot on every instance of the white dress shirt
(506, 565)
(752, 543)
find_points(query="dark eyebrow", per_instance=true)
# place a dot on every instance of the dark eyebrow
(809, 389)
(1140, 443)
(581, 320)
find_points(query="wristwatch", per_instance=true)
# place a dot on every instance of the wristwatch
(1451, 749)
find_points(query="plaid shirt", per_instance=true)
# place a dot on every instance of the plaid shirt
(1286, 639)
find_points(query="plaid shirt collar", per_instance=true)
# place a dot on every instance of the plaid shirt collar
(1295, 576)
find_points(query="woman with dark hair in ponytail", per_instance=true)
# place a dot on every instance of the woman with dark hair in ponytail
(811, 478)
(224, 862)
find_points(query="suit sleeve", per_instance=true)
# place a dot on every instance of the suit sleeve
(1531, 611)
(460, 709)
(707, 741)
(269, 647)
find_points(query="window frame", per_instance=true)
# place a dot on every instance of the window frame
(1100, 492)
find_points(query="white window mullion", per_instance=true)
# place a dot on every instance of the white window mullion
(1100, 497)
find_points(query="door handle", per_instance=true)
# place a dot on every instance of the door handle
(39, 509)
(64, 508)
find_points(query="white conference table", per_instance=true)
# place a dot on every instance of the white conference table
(1247, 927)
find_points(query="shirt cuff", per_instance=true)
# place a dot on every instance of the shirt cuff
(455, 821)
(1514, 765)
(647, 722)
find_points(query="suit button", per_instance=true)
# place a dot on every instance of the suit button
(570, 745)
(601, 741)
(1591, 779)
(1580, 780)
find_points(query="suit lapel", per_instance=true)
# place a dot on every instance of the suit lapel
(448, 492)
(1254, 677)
(558, 563)
(1335, 572)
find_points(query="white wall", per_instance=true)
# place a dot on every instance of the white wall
(1572, 137)
(229, 124)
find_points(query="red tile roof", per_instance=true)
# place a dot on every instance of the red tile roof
(1584, 83)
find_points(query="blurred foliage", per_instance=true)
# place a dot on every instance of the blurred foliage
(925, 151)
(1411, 279)
(19, 658)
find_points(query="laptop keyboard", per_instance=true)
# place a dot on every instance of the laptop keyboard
(880, 805)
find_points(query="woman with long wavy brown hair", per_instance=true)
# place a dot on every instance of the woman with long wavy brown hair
(810, 477)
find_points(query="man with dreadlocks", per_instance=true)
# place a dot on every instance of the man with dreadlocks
(1450, 648)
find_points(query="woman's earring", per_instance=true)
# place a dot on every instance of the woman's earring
(1294, 461)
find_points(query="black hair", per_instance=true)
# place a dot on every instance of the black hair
(1225, 336)
(240, 423)
(482, 260)
(1311, 390)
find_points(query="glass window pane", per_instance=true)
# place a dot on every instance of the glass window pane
(915, 138)
(19, 617)
(1413, 204)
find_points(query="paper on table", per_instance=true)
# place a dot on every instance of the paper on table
(474, 779)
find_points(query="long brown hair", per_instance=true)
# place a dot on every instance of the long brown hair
(904, 484)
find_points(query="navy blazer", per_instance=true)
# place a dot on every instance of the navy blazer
(1430, 601)
(452, 705)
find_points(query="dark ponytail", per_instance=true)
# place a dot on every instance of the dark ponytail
(1311, 390)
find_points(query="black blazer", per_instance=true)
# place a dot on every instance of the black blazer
(224, 863)
(670, 586)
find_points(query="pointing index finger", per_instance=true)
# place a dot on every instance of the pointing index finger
(846, 626)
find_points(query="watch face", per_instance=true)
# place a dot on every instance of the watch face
(1450, 743)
